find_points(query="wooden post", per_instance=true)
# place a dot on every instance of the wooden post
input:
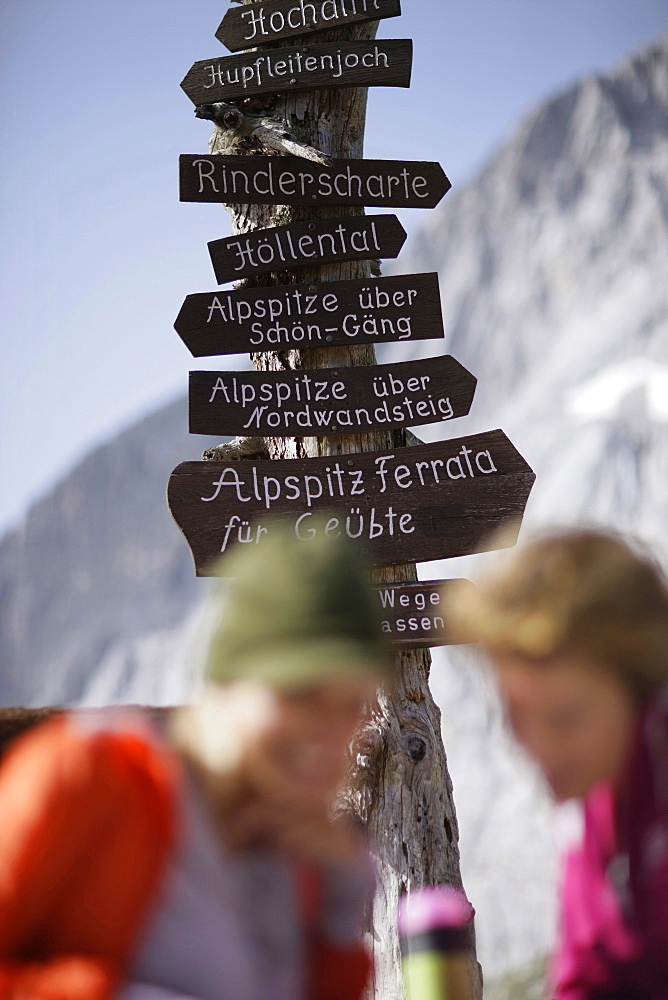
(400, 787)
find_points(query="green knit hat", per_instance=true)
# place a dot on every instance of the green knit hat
(295, 612)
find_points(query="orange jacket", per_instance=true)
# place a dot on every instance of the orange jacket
(87, 824)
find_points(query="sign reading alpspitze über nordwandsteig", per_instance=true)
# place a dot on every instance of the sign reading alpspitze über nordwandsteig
(319, 314)
(432, 501)
(328, 64)
(330, 400)
(259, 23)
(292, 180)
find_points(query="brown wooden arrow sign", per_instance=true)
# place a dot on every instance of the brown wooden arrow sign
(306, 67)
(250, 26)
(364, 311)
(324, 241)
(292, 180)
(433, 501)
(329, 400)
(412, 614)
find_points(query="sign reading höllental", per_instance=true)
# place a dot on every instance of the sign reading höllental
(302, 244)
(320, 314)
(259, 23)
(412, 615)
(292, 180)
(328, 64)
(433, 501)
(329, 400)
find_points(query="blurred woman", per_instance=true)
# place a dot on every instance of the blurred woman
(200, 860)
(575, 625)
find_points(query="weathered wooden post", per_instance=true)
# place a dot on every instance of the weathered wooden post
(323, 427)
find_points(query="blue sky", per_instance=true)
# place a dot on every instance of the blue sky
(97, 251)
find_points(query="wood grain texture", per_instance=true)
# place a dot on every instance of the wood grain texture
(275, 20)
(304, 244)
(318, 314)
(304, 67)
(293, 180)
(333, 401)
(436, 501)
(413, 615)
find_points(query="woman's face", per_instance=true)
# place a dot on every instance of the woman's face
(574, 716)
(299, 753)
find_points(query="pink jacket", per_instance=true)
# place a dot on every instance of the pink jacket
(615, 889)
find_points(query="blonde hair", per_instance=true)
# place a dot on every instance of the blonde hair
(575, 589)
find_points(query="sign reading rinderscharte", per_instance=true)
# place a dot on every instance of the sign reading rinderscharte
(291, 180)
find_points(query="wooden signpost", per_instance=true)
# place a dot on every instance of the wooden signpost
(317, 391)
(329, 64)
(434, 501)
(329, 400)
(319, 314)
(292, 180)
(324, 241)
(246, 27)
(412, 614)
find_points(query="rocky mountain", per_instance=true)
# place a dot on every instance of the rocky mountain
(554, 280)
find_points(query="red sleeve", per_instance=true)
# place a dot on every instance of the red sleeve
(87, 820)
(338, 973)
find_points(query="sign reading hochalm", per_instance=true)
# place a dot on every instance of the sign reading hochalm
(412, 614)
(307, 67)
(292, 180)
(320, 314)
(408, 505)
(247, 27)
(329, 400)
(324, 241)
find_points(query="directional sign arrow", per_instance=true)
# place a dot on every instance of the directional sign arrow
(292, 180)
(330, 400)
(323, 241)
(319, 314)
(432, 501)
(246, 27)
(413, 615)
(329, 64)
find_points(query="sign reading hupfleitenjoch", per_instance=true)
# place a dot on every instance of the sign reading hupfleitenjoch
(292, 180)
(319, 314)
(306, 67)
(302, 244)
(259, 23)
(329, 400)
(416, 504)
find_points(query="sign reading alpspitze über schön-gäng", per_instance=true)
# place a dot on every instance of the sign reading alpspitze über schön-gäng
(433, 501)
(259, 23)
(330, 400)
(323, 241)
(320, 314)
(291, 180)
(328, 64)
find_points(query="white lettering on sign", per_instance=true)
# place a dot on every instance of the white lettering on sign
(219, 178)
(281, 246)
(339, 483)
(274, 402)
(271, 65)
(302, 15)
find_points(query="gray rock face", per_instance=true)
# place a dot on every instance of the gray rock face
(553, 270)
(96, 565)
